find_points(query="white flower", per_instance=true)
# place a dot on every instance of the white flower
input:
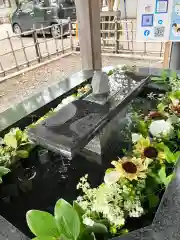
(111, 177)
(175, 102)
(68, 100)
(120, 221)
(136, 137)
(87, 221)
(136, 212)
(79, 198)
(173, 119)
(1, 141)
(161, 128)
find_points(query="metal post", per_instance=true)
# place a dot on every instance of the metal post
(145, 50)
(34, 34)
(70, 33)
(24, 51)
(44, 36)
(127, 33)
(62, 42)
(132, 32)
(116, 34)
(12, 50)
(56, 40)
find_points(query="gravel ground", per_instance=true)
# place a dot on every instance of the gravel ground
(7, 59)
(18, 88)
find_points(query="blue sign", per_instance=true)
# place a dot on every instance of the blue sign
(147, 20)
(160, 22)
(175, 22)
(146, 33)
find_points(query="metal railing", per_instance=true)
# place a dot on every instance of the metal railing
(119, 36)
(19, 51)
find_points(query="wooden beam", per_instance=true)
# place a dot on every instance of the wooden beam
(88, 17)
(166, 54)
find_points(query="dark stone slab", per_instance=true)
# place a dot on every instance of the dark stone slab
(106, 144)
(142, 234)
(166, 223)
(73, 133)
(9, 232)
(67, 130)
(43, 98)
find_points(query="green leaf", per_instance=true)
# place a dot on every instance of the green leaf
(123, 231)
(87, 236)
(44, 238)
(3, 171)
(153, 200)
(67, 219)
(174, 95)
(164, 75)
(97, 228)
(10, 141)
(168, 179)
(174, 75)
(22, 153)
(19, 135)
(110, 72)
(170, 157)
(24, 137)
(162, 174)
(156, 79)
(155, 177)
(42, 224)
(109, 170)
(173, 119)
(177, 155)
(78, 209)
(178, 133)
(142, 127)
(161, 107)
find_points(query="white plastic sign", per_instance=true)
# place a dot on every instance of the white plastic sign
(153, 20)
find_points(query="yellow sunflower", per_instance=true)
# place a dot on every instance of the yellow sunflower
(131, 168)
(145, 149)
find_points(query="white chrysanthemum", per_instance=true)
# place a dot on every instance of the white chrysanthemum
(68, 99)
(111, 177)
(160, 128)
(136, 137)
(88, 222)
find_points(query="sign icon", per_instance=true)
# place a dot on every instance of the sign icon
(146, 33)
(160, 21)
(147, 20)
